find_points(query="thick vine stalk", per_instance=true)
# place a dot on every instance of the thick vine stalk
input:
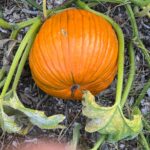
(142, 94)
(4, 24)
(136, 38)
(22, 62)
(18, 56)
(130, 76)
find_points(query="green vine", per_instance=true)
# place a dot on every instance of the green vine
(140, 3)
(18, 56)
(4, 24)
(8, 96)
(136, 38)
(44, 9)
(131, 75)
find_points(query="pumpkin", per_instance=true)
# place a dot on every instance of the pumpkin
(75, 50)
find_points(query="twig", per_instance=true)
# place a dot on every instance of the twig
(34, 4)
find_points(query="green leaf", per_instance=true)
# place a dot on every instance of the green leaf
(109, 120)
(36, 117)
(8, 123)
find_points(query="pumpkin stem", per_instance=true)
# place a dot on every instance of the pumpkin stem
(73, 88)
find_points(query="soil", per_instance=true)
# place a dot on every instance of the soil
(32, 97)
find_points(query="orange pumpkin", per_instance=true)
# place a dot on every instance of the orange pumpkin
(73, 51)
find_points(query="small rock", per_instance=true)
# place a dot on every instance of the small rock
(34, 140)
(148, 92)
(105, 147)
(145, 110)
(122, 146)
(27, 90)
(142, 102)
(131, 101)
(58, 2)
(137, 58)
(14, 143)
(16, 16)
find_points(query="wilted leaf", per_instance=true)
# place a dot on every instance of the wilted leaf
(8, 124)
(109, 120)
(36, 117)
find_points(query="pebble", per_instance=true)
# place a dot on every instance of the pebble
(148, 92)
(122, 146)
(14, 143)
(131, 101)
(34, 140)
(145, 110)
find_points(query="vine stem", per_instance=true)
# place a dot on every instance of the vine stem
(142, 94)
(99, 142)
(144, 142)
(131, 74)
(44, 9)
(26, 23)
(23, 61)
(140, 3)
(76, 136)
(19, 26)
(144, 12)
(137, 40)
(18, 56)
(14, 34)
(4, 24)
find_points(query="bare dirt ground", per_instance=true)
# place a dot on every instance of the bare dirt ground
(32, 97)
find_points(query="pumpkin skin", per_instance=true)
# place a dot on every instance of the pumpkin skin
(74, 50)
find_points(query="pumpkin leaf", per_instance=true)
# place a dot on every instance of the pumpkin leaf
(36, 117)
(8, 123)
(110, 120)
